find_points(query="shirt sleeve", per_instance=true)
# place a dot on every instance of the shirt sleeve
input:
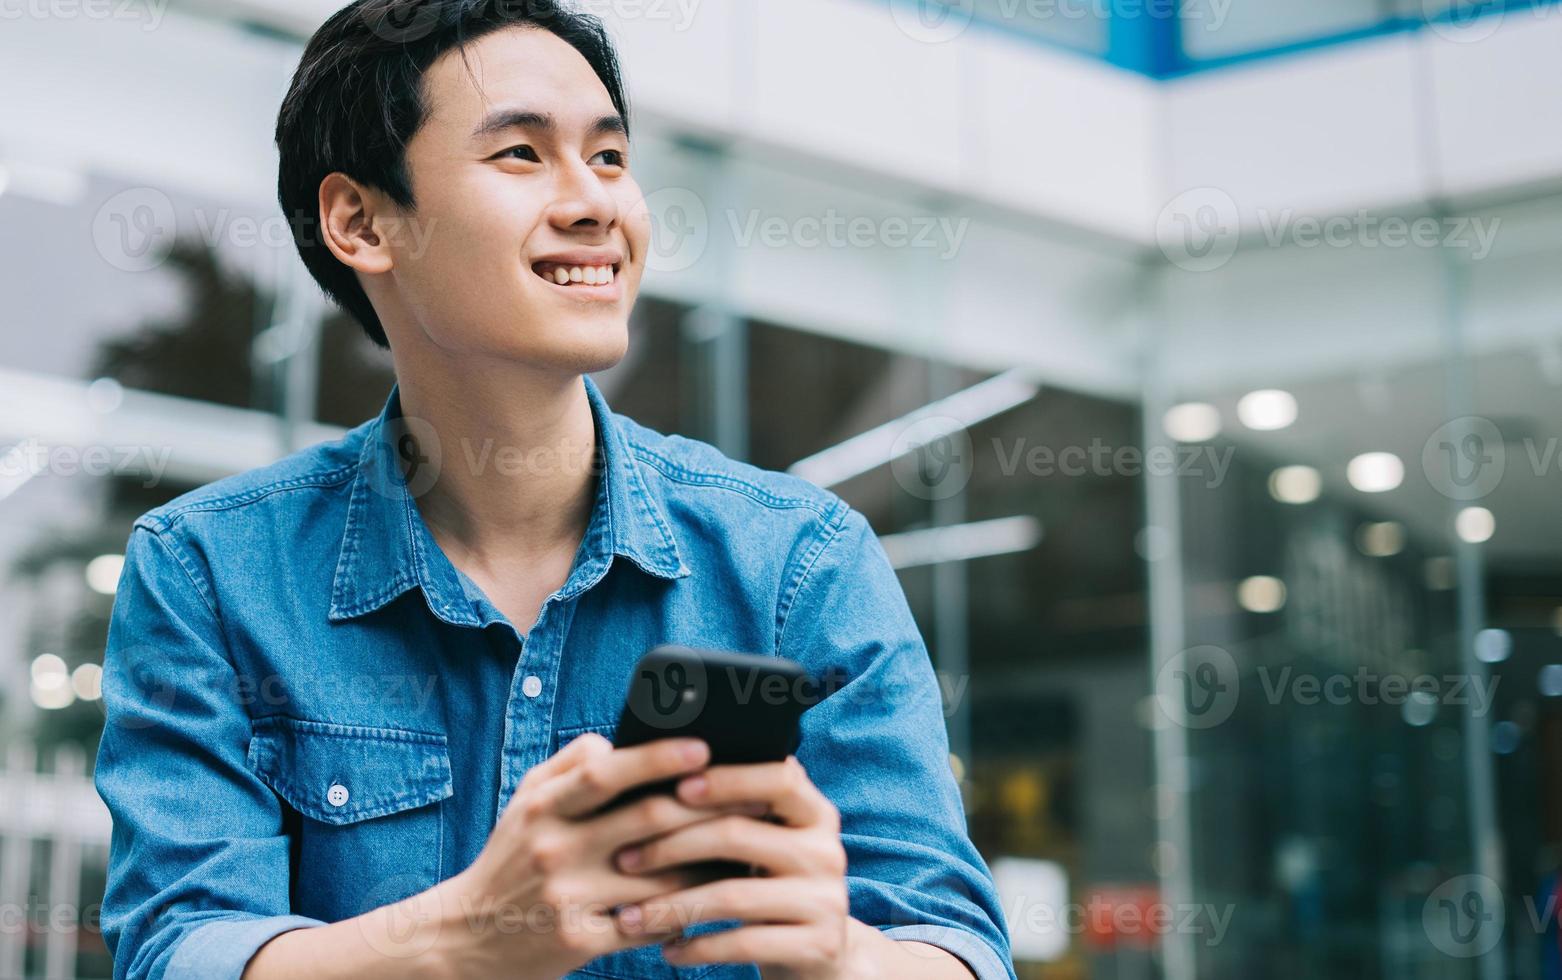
(878, 748)
(198, 873)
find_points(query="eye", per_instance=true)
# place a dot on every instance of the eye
(613, 158)
(522, 152)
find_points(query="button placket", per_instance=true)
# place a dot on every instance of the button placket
(529, 713)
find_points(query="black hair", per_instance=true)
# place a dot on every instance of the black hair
(357, 99)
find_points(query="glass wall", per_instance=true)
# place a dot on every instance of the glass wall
(1359, 659)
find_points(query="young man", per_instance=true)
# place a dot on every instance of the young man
(358, 702)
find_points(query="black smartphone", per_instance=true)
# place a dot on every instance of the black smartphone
(746, 707)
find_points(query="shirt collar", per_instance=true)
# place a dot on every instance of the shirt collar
(387, 548)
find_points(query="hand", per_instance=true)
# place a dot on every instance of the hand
(539, 897)
(796, 916)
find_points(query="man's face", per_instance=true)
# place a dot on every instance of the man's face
(520, 184)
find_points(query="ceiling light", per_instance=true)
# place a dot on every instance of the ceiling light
(1192, 422)
(1267, 410)
(1261, 594)
(87, 681)
(1381, 539)
(961, 542)
(1295, 484)
(48, 669)
(1493, 646)
(1475, 525)
(888, 442)
(1550, 680)
(1375, 472)
(103, 573)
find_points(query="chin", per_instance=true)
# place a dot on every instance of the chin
(596, 347)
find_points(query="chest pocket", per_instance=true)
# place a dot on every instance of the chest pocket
(646, 962)
(363, 808)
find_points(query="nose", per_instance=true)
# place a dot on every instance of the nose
(582, 201)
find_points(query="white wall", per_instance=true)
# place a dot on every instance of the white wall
(1057, 168)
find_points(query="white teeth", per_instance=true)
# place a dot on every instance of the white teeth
(589, 275)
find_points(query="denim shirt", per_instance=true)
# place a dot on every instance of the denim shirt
(312, 713)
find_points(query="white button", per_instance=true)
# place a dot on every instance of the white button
(336, 795)
(531, 686)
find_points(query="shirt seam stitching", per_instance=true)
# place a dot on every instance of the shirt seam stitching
(680, 474)
(331, 729)
(168, 519)
(830, 534)
(207, 599)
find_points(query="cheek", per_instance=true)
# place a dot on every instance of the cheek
(637, 225)
(481, 221)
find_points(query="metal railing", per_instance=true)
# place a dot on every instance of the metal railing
(45, 919)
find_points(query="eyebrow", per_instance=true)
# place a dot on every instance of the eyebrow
(545, 122)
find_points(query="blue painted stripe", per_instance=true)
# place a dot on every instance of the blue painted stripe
(1151, 45)
(1147, 43)
(1396, 25)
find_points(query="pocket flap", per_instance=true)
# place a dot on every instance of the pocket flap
(339, 774)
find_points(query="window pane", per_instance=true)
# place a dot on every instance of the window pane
(1252, 25)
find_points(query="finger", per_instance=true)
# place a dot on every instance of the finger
(753, 900)
(654, 816)
(768, 945)
(597, 780)
(568, 757)
(785, 786)
(615, 890)
(779, 850)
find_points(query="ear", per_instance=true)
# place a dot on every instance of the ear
(352, 224)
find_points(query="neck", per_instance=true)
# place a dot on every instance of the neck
(516, 480)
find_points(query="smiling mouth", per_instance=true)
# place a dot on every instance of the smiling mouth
(575, 276)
